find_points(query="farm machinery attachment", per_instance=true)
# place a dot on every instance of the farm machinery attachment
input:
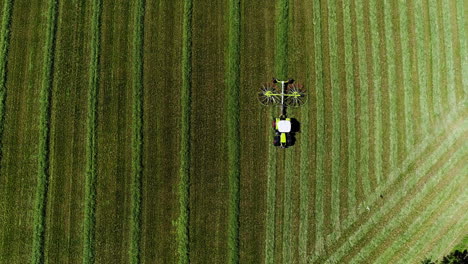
(287, 95)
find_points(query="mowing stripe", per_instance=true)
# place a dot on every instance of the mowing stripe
(378, 134)
(422, 73)
(137, 132)
(281, 69)
(233, 80)
(44, 138)
(450, 62)
(455, 230)
(391, 226)
(4, 44)
(418, 225)
(182, 224)
(407, 82)
(348, 224)
(420, 172)
(391, 71)
(91, 149)
(320, 130)
(364, 114)
(436, 68)
(336, 141)
(304, 181)
(449, 234)
(270, 213)
(461, 23)
(350, 102)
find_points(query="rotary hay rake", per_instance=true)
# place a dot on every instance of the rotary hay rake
(289, 95)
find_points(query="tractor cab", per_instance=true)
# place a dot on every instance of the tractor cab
(282, 127)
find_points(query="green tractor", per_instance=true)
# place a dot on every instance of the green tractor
(290, 94)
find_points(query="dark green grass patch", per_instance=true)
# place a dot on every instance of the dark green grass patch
(44, 137)
(91, 148)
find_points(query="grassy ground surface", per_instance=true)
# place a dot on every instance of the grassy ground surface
(130, 132)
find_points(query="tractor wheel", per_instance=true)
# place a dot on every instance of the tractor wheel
(273, 124)
(276, 141)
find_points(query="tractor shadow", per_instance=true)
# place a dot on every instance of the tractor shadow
(295, 128)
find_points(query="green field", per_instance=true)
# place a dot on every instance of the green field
(130, 131)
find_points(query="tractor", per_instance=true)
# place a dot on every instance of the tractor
(289, 94)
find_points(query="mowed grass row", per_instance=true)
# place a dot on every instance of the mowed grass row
(89, 221)
(5, 26)
(320, 131)
(209, 170)
(301, 68)
(336, 110)
(233, 122)
(137, 136)
(257, 41)
(68, 137)
(114, 134)
(391, 207)
(394, 179)
(163, 150)
(418, 226)
(44, 134)
(379, 240)
(182, 224)
(19, 163)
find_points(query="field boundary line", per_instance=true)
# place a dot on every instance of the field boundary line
(393, 176)
(233, 106)
(406, 211)
(137, 137)
(4, 47)
(91, 149)
(44, 136)
(419, 172)
(182, 223)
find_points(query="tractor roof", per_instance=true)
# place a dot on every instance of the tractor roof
(284, 126)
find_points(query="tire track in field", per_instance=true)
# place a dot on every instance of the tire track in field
(44, 136)
(457, 51)
(320, 130)
(350, 223)
(379, 238)
(91, 147)
(233, 113)
(182, 224)
(355, 236)
(137, 137)
(444, 68)
(4, 46)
